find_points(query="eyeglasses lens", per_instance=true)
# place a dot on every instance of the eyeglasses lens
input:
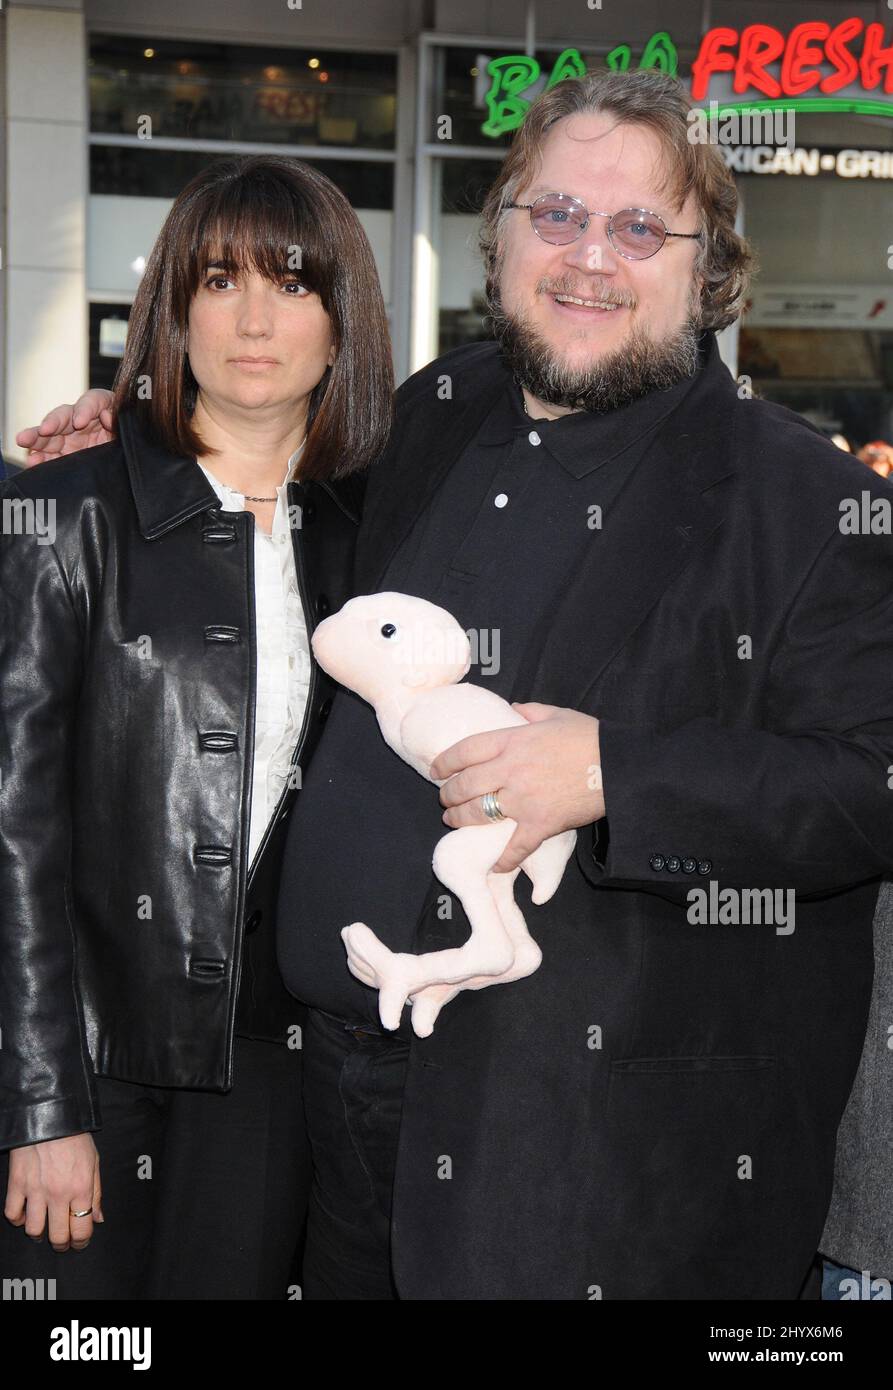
(638, 234)
(558, 219)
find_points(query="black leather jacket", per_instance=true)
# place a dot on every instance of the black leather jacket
(134, 942)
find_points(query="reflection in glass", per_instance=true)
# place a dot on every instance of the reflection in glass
(202, 91)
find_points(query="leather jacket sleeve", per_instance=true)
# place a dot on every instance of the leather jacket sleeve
(46, 1077)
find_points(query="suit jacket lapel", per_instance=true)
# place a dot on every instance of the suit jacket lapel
(422, 450)
(667, 512)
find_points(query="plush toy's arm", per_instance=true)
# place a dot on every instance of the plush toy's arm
(439, 718)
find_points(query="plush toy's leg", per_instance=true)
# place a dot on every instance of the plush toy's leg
(527, 954)
(462, 861)
(545, 867)
(395, 974)
(427, 1003)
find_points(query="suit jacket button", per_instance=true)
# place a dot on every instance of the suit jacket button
(254, 921)
(657, 862)
(689, 865)
(308, 512)
(704, 866)
(325, 709)
(673, 864)
(322, 606)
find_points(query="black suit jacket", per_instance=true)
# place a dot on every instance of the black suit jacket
(653, 1112)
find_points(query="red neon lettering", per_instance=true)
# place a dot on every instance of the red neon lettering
(760, 44)
(874, 58)
(799, 52)
(711, 59)
(847, 69)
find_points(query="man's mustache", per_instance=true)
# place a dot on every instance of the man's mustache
(599, 289)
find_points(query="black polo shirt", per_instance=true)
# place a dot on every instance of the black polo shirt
(496, 545)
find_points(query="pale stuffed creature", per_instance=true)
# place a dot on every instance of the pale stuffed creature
(405, 655)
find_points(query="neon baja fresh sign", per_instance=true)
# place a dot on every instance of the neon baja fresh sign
(813, 62)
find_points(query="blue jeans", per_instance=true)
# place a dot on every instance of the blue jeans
(831, 1284)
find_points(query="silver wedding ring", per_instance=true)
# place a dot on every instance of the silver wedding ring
(491, 807)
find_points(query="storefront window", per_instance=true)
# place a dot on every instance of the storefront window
(160, 111)
(131, 190)
(817, 335)
(462, 309)
(108, 327)
(131, 171)
(227, 92)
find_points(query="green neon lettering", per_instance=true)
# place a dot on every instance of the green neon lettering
(618, 60)
(660, 52)
(511, 76)
(567, 64)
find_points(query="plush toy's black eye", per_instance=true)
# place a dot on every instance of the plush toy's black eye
(388, 630)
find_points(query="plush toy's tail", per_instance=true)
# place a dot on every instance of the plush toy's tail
(545, 866)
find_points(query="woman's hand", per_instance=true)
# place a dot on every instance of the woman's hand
(547, 774)
(49, 1181)
(68, 428)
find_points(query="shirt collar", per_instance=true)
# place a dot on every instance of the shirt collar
(583, 441)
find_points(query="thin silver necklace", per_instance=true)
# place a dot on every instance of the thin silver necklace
(249, 498)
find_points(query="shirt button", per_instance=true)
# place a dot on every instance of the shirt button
(501, 499)
(534, 437)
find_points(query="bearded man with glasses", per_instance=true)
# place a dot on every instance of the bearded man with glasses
(652, 1112)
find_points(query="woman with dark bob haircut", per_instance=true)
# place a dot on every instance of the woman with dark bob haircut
(158, 701)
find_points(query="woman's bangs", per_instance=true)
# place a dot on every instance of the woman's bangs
(268, 229)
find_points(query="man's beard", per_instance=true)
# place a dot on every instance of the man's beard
(641, 365)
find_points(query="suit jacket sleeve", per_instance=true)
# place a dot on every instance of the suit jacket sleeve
(46, 1077)
(804, 804)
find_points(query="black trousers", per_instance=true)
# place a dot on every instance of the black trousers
(354, 1078)
(204, 1194)
(353, 1097)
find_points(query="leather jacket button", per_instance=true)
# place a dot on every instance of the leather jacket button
(219, 856)
(254, 921)
(218, 741)
(219, 533)
(704, 866)
(657, 862)
(222, 632)
(673, 864)
(322, 606)
(325, 710)
(689, 865)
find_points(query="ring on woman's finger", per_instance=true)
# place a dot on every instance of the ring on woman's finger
(80, 1214)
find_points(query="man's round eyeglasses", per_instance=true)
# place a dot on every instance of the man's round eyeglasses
(635, 233)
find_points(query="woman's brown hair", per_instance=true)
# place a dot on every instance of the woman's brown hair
(256, 211)
(659, 102)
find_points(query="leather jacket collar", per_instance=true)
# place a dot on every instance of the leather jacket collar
(167, 488)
